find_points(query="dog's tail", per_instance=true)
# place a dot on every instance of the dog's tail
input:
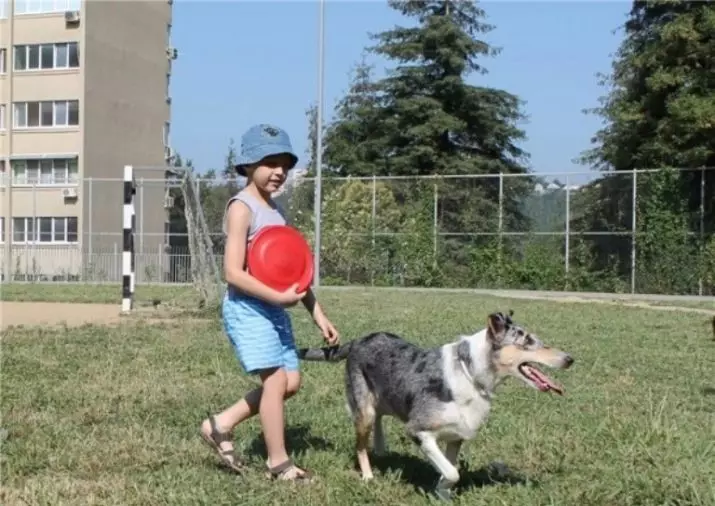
(326, 353)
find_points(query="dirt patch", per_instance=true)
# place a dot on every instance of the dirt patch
(74, 314)
(56, 313)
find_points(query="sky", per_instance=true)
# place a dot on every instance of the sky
(247, 62)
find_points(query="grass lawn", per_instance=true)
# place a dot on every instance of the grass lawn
(89, 293)
(109, 415)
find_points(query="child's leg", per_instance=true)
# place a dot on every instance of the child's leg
(275, 391)
(272, 416)
(228, 419)
(279, 463)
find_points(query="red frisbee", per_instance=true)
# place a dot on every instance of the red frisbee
(279, 256)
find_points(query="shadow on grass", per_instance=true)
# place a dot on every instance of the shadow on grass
(298, 440)
(422, 476)
(708, 390)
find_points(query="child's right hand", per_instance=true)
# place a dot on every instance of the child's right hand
(291, 296)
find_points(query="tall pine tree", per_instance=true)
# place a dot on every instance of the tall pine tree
(425, 119)
(658, 113)
(440, 124)
(355, 144)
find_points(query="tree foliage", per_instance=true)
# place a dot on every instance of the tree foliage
(424, 118)
(660, 109)
(659, 113)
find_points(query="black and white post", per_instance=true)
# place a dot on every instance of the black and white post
(129, 224)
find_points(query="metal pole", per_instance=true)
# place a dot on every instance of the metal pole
(633, 231)
(319, 141)
(141, 216)
(500, 223)
(501, 202)
(374, 213)
(9, 100)
(702, 227)
(435, 226)
(36, 226)
(567, 252)
(89, 220)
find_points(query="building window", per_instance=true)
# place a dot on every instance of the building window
(48, 230)
(60, 172)
(62, 55)
(2, 224)
(3, 58)
(45, 6)
(3, 8)
(2, 117)
(59, 113)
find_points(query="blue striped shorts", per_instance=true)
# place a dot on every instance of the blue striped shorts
(260, 333)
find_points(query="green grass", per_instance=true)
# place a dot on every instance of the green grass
(706, 304)
(88, 293)
(100, 415)
(184, 295)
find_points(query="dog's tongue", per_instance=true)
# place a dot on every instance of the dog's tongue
(543, 382)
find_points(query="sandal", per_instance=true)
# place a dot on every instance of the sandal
(280, 472)
(214, 440)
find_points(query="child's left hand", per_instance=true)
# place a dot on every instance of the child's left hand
(330, 334)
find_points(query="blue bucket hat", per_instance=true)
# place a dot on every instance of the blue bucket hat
(261, 141)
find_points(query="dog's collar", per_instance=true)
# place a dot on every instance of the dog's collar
(481, 389)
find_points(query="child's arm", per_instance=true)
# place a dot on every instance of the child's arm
(330, 334)
(311, 304)
(238, 220)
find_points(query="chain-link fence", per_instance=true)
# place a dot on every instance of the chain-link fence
(615, 232)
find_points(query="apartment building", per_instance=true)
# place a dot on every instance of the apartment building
(84, 90)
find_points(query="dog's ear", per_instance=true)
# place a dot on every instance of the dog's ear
(496, 326)
(508, 317)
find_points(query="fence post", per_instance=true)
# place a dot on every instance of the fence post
(435, 226)
(129, 227)
(500, 226)
(89, 219)
(702, 229)
(567, 245)
(115, 267)
(633, 230)
(318, 214)
(374, 212)
(141, 216)
(35, 231)
(160, 263)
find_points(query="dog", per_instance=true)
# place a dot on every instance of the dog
(441, 394)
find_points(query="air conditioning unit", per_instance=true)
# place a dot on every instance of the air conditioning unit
(69, 193)
(168, 202)
(72, 17)
(169, 154)
(172, 53)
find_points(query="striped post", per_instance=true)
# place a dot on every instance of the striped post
(129, 224)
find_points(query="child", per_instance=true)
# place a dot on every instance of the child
(254, 315)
